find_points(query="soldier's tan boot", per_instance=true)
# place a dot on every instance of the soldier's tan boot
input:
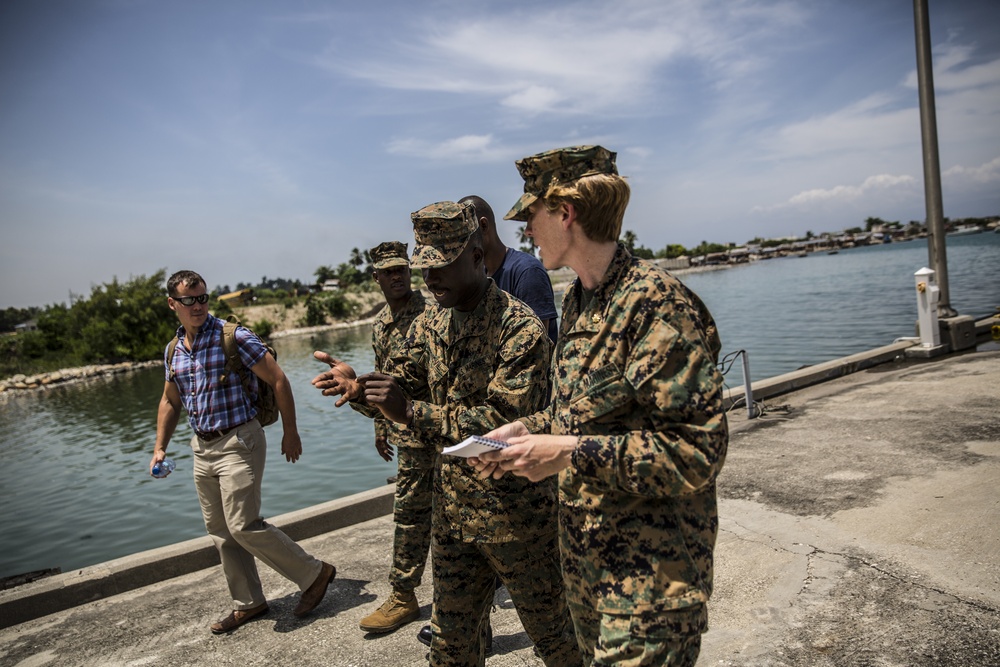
(400, 609)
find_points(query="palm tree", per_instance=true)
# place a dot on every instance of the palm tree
(525, 241)
(323, 274)
(629, 238)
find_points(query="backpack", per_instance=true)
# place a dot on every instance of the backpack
(266, 403)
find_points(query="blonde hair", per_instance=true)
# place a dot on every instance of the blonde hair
(599, 201)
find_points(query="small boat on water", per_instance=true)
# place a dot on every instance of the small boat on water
(965, 230)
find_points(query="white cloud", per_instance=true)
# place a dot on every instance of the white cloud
(951, 72)
(984, 173)
(869, 124)
(844, 193)
(607, 58)
(533, 98)
(467, 148)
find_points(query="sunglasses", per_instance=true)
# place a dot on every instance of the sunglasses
(190, 300)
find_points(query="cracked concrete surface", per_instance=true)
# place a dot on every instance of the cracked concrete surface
(859, 527)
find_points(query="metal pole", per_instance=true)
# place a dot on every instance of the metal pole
(932, 166)
(747, 387)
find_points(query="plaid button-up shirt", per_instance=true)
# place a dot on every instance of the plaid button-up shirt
(211, 404)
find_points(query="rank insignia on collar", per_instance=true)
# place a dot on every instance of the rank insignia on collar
(595, 318)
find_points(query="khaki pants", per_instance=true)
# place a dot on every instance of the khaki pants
(227, 475)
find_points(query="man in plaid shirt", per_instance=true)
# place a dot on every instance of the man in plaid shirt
(229, 452)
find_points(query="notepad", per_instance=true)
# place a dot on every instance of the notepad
(474, 446)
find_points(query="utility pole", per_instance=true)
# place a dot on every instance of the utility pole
(932, 165)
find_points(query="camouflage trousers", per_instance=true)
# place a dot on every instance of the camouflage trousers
(411, 514)
(464, 575)
(668, 638)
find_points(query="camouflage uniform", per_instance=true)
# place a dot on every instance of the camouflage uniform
(411, 510)
(635, 378)
(479, 370)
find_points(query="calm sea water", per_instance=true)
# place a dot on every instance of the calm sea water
(73, 460)
(791, 312)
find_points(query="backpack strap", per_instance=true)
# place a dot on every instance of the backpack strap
(171, 347)
(231, 351)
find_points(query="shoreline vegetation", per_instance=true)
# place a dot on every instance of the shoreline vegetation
(20, 384)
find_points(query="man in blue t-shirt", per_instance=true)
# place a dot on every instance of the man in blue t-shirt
(514, 271)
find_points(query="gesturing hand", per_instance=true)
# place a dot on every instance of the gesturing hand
(383, 448)
(340, 380)
(383, 392)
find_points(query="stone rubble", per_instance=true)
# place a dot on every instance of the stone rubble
(42, 381)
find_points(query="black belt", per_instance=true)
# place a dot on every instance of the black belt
(215, 435)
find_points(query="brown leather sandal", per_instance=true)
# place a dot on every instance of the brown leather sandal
(237, 618)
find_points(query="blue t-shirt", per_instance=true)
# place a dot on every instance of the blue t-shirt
(524, 277)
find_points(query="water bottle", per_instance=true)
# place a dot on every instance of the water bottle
(163, 468)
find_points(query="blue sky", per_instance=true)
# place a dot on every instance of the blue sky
(250, 138)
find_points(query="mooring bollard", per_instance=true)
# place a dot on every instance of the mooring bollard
(928, 295)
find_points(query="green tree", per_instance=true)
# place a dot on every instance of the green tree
(338, 306)
(54, 324)
(643, 252)
(315, 312)
(122, 321)
(11, 317)
(705, 248)
(524, 241)
(671, 251)
(629, 240)
(324, 273)
(264, 328)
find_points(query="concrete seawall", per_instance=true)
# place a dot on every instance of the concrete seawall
(59, 592)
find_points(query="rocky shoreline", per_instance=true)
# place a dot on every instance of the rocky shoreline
(44, 381)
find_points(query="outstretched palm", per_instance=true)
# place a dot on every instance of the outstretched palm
(340, 380)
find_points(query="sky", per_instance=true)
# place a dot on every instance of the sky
(252, 138)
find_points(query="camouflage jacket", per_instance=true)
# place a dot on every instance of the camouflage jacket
(636, 379)
(389, 333)
(478, 372)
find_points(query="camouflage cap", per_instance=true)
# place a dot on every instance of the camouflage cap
(558, 167)
(390, 253)
(442, 231)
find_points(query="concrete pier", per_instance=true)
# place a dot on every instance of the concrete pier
(860, 525)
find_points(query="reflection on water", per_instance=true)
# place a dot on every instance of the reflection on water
(73, 479)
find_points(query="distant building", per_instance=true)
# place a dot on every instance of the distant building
(738, 255)
(681, 262)
(241, 297)
(30, 325)
(331, 285)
